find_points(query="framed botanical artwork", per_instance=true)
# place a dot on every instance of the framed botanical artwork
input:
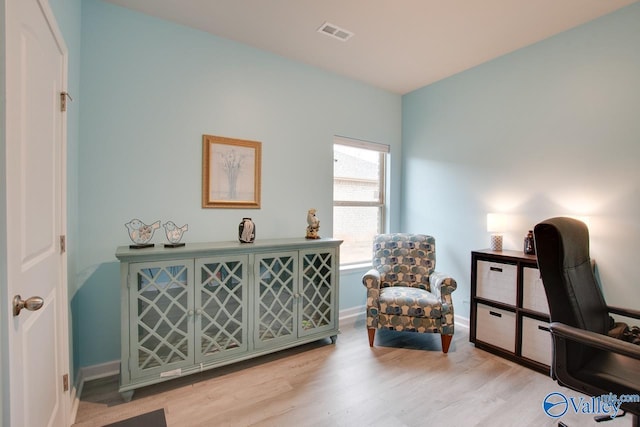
(230, 172)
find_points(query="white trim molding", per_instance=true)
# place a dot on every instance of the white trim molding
(89, 373)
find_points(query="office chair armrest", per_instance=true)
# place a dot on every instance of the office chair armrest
(627, 312)
(592, 339)
(371, 279)
(441, 284)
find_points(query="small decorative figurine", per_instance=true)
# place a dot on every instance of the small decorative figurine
(141, 233)
(529, 247)
(314, 225)
(174, 234)
(247, 231)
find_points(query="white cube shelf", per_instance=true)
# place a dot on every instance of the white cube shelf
(509, 311)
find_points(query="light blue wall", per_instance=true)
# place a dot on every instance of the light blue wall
(150, 90)
(548, 130)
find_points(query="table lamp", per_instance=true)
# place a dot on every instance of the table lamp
(496, 226)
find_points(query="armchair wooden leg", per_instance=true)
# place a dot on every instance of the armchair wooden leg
(446, 341)
(372, 335)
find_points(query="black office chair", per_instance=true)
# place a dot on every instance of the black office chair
(585, 358)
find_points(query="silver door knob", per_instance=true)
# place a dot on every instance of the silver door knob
(31, 304)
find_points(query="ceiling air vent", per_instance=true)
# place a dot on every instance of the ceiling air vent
(334, 31)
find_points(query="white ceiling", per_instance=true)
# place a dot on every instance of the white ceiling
(399, 45)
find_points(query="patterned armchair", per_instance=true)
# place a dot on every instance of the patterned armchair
(404, 292)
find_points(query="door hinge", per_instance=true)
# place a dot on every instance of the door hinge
(65, 382)
(63, 244)
(63, 100)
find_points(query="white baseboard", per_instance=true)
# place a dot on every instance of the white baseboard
(460, 321)
(89, 373)
(102, 370)
(350, 315)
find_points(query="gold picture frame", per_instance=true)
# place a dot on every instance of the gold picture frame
(230, 172)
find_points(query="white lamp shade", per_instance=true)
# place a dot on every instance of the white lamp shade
(496, 223)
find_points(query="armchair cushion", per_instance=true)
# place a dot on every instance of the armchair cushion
(406, 301)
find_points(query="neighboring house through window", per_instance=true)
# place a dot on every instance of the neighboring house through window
(359, 201)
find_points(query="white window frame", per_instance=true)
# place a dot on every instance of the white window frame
(381, 203)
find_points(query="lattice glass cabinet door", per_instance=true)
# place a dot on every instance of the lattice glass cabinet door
(161, 326)
(276, 307)
(317, 291)
(221, 300)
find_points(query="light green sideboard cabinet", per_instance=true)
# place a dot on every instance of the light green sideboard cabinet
(204, 305)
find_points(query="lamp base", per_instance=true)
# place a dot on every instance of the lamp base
(496, 242)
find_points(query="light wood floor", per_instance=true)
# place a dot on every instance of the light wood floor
(405, 380)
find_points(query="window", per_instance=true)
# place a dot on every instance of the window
(358, 196)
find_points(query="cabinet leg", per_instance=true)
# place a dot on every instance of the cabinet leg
(334, 339)
(127, 395)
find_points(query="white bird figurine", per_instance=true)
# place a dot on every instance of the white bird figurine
(174, 234)
(314, 225)
(139, 232)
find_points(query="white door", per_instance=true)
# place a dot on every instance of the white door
(35, 149)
